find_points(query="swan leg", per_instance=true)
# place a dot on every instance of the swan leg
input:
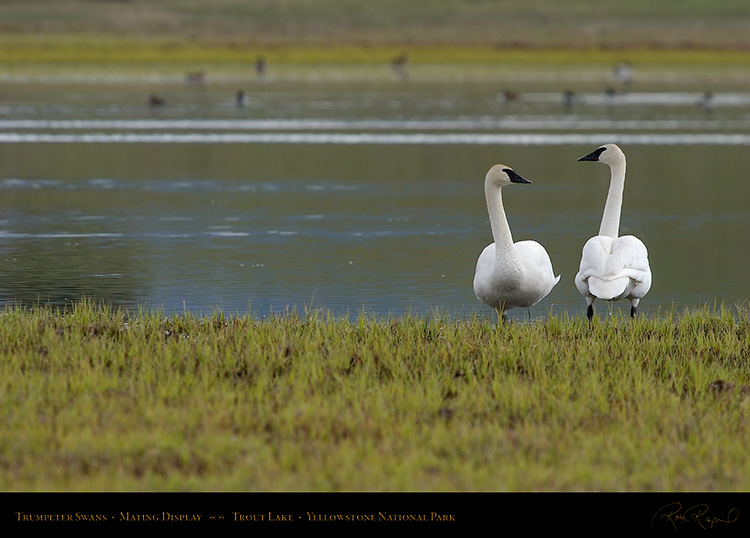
(590, 311)
(634, 307)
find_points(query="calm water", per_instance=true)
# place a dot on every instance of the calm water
(354, 197)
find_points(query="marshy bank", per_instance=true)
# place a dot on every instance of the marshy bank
(95, 398)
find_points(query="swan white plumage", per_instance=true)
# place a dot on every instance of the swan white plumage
(613, 267)
(509, 274)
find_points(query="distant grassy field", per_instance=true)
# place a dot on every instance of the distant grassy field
(489, 23)
(57, 57)
(101, 49)
(96, 399)
(353, 38)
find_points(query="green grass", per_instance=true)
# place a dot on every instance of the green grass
(118, 49)
(102, 399)
(354, 39)
(97, 58)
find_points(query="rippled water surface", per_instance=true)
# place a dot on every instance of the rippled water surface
(354, 197)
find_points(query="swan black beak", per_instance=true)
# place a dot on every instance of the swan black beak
(515, 178)
(593, 156)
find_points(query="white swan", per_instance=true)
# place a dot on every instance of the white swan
(509, 274)
(613, 267)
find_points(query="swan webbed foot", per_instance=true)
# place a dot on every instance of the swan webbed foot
(590, 312)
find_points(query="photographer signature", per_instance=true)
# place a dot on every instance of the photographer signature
(697, 514)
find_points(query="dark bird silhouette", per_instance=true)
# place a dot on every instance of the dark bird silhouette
(507, 96)
(240, 98)
(154, 100)
(260, 66)
(195, 77)
(706, 102)
(569, 99)
(400, 65)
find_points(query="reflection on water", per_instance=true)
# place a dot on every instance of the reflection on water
(354, 199)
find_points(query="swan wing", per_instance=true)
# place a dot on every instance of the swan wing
(603, 277)
(539, 276)
(614, 268)
(594, 256)
(536, 260)
(484, 276)
(630, 258)
(514, 285)
(498, 282)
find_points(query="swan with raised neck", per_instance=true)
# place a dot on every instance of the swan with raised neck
(508, 274)
(612, 266)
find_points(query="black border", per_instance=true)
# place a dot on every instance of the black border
(675, 514)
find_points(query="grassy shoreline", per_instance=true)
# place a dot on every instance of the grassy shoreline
(22, 48)
(98, 59)
(102, 399)
(341, 35)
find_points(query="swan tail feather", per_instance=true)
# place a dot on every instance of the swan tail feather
(608, 289)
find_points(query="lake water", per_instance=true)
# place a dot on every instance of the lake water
(353, 196)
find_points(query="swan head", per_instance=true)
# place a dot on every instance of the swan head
(608, 154)
(501, 175)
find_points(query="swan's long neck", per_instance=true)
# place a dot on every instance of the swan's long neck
(499, 222)
(611, 218)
